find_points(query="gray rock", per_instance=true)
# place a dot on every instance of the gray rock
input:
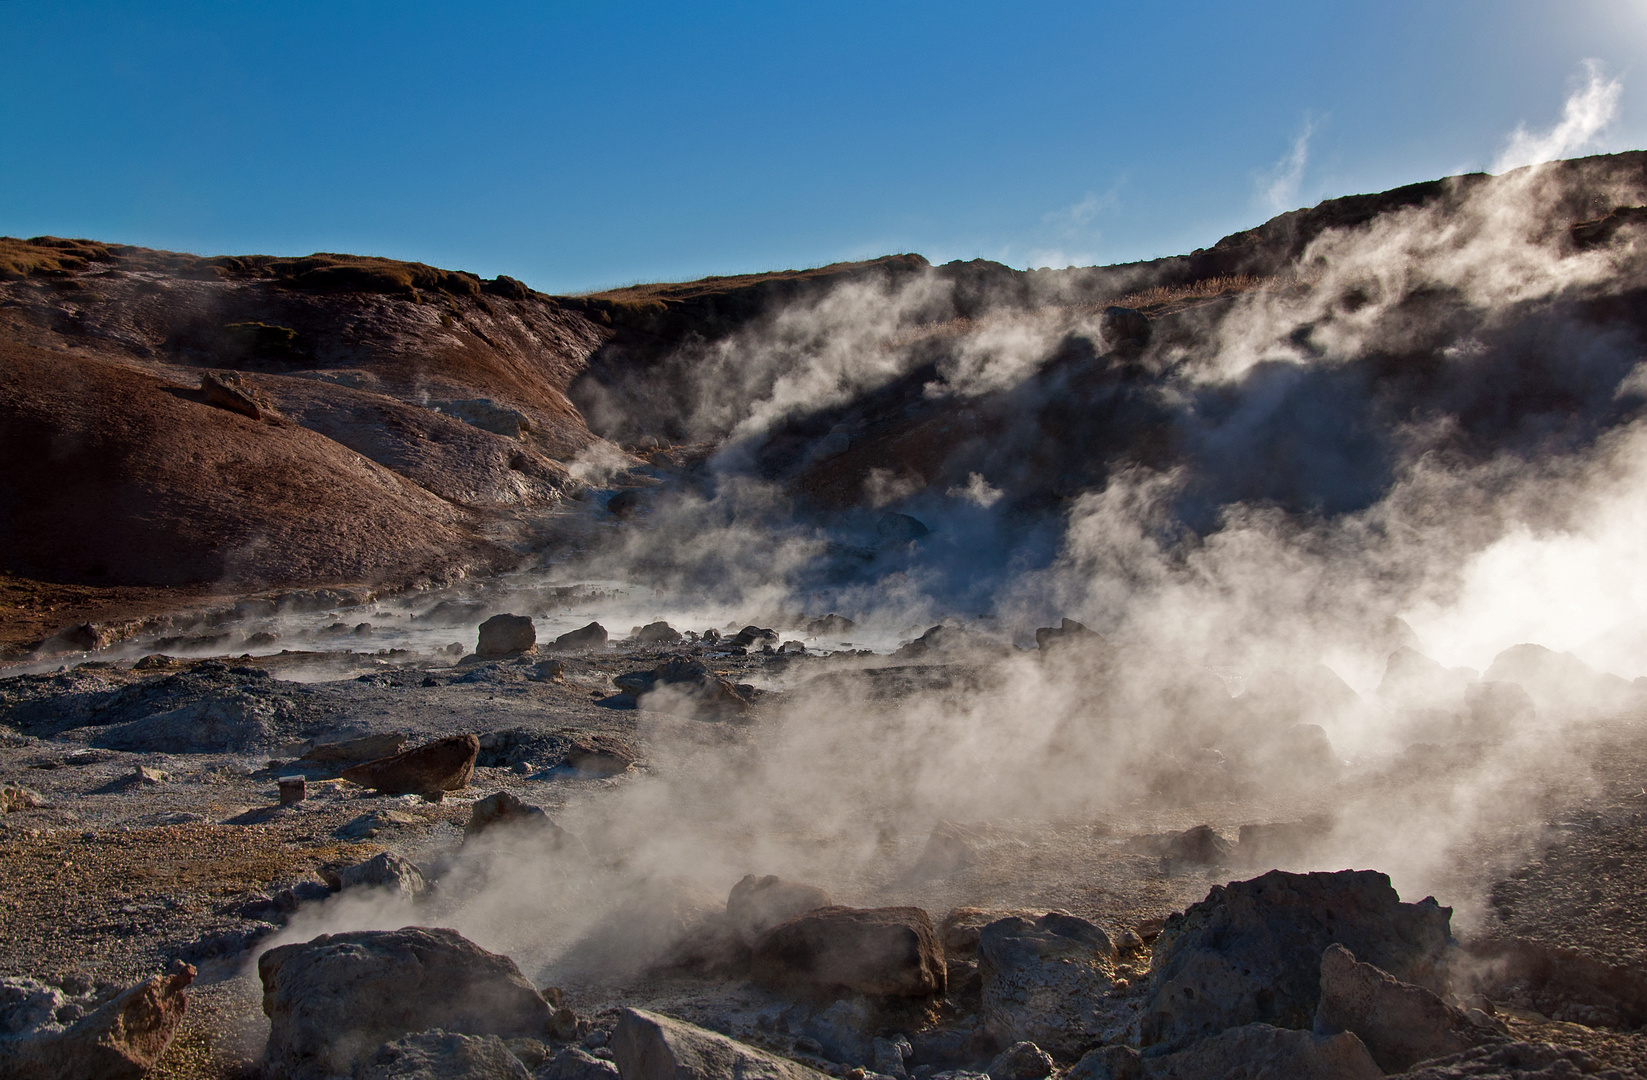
(1200, 846)
(442, 1055)
(652, 1047)
(332, 1001)
(505, 635)
(506, 813)
(757, 904)
(890, 1056)
(1043, 980)
(1021, 1061)
(232, 724)
(382, 871)
(575, 1064)
(1401, 1024)
(1253, 1051)
(1251, 951)
(1108, 1063)
(845, 1031)
(657, 633)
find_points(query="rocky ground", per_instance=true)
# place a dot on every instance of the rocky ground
(147, 828)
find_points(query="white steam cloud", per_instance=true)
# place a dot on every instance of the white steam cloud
(1587, 113)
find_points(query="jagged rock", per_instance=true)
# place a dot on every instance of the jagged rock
(1259, 1050)
(1066, 632)
(757, 904)
(14, 797)
(1400, 1024)
(1125, 330)
(599, 755)
(882, 952)
(657, 633)
(1043, 979)
(510, 814)
(1251, 951)
(332, 1001)
(121, 1040)
(384, 870)
(358, 748)
(443, 1055)
(573, 1063)
(648, 1046)
(229, 392)
(506, 635)
(890, 1056)
(592, 636)
(1021, 1061)
(443, 765)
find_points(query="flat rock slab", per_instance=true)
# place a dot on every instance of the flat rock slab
(443, 765)
(653, 1047)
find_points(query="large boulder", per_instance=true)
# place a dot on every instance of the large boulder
(652, 1047)
(1401, 1024)
(332, 1001)
(1255, 1051)
(506, 635)
(443, 765)
(757, 904)
(1251, 951)
(1043, 980)
(121, 1040)
(444, 1055)
(881, 952)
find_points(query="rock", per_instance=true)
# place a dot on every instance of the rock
(592, 636)
(949, 847)
(1043, 979)
(355, 749)
(660, 923)
(792, 648)
(332, 1001)
(900, 528)
(229, 392)
(1021, 1061)
(1200, 846)
(1559, 682)
(506, 635)
(890, 1056)
(1259, 1050)
(507, 813)
(1066, 632)
(14, 797)
(757, 904)
(1400, 1024)
(1124, 330)
(384, 870)
(547, 671)
(845, 1031)
(121, 1040)
(1273, 843)
(1413, 680)
(599, 755)
(648, 1046)
(443, 765)
(575, 1064)
(1497, 708)
(752, 636)
(1251, 951)
(960, 929)
(1511, 1061)
(293, 790)
(441, 1055)
(830, 626)
(684, 686)
(657, 633)
(1108, 1063)
(624, 503)
(882, 952)
(234, 723)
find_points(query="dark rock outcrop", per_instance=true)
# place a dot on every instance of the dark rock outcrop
(756, 904)
(1400, 1024)
(880, 952)
(443, 765)
(505, 635)
(1043, 980)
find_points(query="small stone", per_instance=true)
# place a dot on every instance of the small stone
(14, 797)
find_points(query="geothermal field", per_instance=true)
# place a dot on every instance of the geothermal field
(1229, 665)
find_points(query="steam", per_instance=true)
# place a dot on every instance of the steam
(1587, 113)
(1280, 190)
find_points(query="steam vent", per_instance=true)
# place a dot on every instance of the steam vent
(1232, 664)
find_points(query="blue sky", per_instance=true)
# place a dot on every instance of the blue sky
(581, 145)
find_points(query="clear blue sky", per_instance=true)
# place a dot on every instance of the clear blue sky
(577, 145)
